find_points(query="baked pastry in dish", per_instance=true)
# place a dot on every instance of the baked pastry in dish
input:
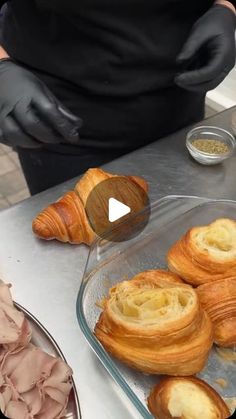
(155, 324)
(205, 254)
(218, 298)
(186, 398)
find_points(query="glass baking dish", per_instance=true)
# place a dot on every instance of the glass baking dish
(109, 263)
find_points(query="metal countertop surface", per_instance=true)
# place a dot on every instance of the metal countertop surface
(46, 275)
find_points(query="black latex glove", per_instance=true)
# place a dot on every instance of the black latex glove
(29, 113)
(209, 53)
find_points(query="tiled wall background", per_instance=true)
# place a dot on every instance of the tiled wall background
(13, 187)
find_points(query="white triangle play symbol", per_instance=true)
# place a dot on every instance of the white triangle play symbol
(117, 209)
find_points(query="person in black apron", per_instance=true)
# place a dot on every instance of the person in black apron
(84, 81)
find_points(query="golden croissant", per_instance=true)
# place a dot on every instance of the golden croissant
(205, 254)
(186, 398)
(155, 324)
(66, 219)
(219, 300)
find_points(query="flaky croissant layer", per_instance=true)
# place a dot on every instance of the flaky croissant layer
(154, 323)
(219, 300)
(186, 398)
(205, 254)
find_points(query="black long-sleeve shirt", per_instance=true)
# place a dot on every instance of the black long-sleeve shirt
(111, 61)
(105, 47)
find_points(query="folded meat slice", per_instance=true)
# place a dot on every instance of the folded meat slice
(23, 339)
(5, 394)
(34, 400)
(33, 384)
(38, 380)
(58, 385)
(51, 410)
(11, 320)
(14, 328)
(5, 295)
(28, 367)
(17, 410)
(14, 393)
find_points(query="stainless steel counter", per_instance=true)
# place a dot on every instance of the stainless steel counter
(46, 275)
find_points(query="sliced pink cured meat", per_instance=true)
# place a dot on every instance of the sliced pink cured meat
(33, 384)
(17, 410)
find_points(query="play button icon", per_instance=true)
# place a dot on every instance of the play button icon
(117, 210)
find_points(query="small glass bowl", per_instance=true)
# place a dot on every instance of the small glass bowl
(210, 133)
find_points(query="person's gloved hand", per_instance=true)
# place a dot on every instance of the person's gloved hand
(30, 115)
(209, 53)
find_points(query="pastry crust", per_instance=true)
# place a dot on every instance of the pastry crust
(186, 398)
(219, 300)
(155, 324)
(205, 254)
(66, 220)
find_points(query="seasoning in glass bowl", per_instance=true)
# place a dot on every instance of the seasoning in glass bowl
(211, 146)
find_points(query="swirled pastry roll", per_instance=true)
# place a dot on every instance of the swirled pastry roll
(205, 254)
(186, 398)
(155, 324)
(219, 300)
